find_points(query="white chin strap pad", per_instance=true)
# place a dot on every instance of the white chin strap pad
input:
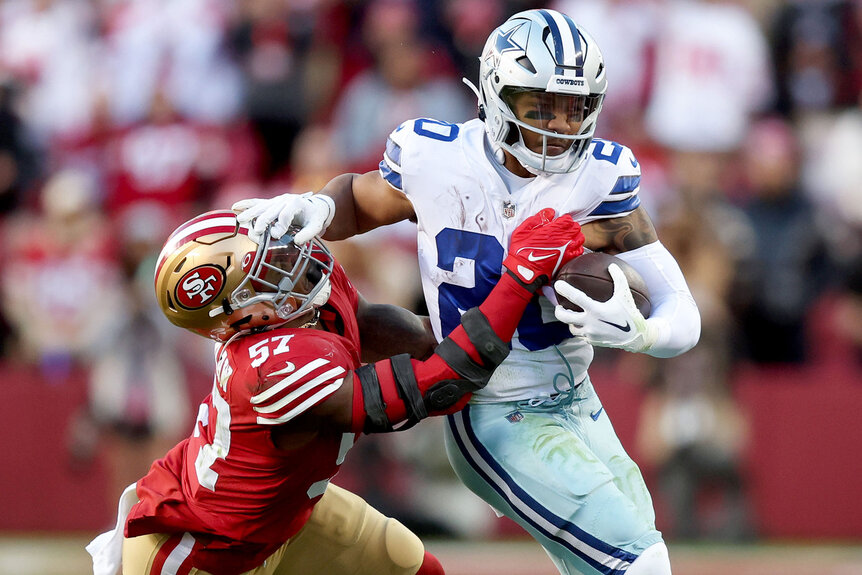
(322, 296)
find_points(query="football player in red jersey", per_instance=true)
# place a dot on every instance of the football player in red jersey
(249, 491)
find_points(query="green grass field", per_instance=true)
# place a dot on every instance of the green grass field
(48, 555)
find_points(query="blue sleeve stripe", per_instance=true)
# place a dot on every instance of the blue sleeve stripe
(626, 184)
(393, 150)
(391, 176)
(616, 208)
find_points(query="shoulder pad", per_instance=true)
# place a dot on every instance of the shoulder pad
(618, 173)
(613, 157)
(420, 139)
(391, 164)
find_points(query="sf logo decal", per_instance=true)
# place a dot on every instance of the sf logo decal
(200, 286)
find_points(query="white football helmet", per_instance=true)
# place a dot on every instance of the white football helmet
(212, 279)
(542, 51)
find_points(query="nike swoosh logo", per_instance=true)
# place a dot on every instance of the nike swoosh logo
(533, 258)
(287, 369)
(625, 328)
(595, 416)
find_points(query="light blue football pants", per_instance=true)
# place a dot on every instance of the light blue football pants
(557, 468)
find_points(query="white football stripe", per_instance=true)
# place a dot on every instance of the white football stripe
(178, 555)
(301, 390)
(287, 381)
(569, 47)
(621, 196)
(194, 228)
(328, 390)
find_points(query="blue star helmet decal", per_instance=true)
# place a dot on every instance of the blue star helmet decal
(504, 42)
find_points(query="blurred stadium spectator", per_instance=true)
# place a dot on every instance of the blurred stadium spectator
(691, 434)
(712, 73)
(17, 158)
(290, 58)
(628, 33)
(816, 48)
(406, 80)
(177, 47)
(47, 47)
(787, 268)
(60, 260)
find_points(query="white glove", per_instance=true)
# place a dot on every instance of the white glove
(312, 212)
(614, 323)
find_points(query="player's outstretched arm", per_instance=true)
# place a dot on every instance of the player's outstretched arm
(400, 389)
(349, 204)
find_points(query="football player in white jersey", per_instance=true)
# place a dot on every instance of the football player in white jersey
(535, 443)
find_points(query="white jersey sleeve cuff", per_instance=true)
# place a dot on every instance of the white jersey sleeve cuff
(674, 317)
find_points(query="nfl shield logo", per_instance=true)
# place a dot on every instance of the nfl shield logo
(515, 416)
(508, 210)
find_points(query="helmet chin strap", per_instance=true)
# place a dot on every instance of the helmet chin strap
(499, 155)
(541, 157)
(322, 296)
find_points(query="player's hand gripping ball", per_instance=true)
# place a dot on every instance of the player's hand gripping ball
(589, 273)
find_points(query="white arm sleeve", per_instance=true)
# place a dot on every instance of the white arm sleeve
(674, 314)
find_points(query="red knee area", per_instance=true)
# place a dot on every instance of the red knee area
(430, 566)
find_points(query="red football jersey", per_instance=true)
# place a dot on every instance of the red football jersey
(228, 485)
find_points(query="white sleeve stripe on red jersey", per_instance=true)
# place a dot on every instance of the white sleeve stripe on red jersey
(287, 381)
(301, 390)
(326, 391)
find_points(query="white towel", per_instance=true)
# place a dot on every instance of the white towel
(107, 548)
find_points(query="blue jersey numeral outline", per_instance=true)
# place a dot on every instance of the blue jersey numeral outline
(598, 152)
(442, 135)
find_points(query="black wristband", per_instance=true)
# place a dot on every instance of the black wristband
(408, 387)
(372, 396)
(491, 348)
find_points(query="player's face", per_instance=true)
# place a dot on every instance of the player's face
(558, 113)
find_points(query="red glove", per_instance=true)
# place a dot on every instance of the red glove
(540, 245)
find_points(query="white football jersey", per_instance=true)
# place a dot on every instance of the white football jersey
(466, 215)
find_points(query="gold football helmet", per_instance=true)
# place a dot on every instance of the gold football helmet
(212, 279)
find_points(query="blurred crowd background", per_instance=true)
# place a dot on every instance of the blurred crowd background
(120, 119)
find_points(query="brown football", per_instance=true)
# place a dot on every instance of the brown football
(589, 273)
